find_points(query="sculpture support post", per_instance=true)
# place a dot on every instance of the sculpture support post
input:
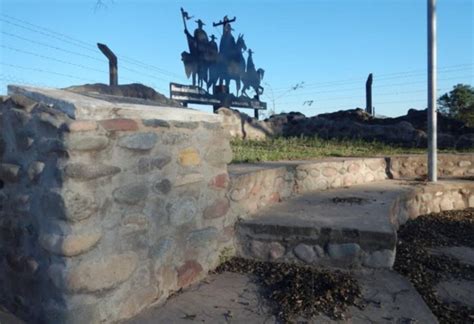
(113, 71)
(432, 117)
(368, 95)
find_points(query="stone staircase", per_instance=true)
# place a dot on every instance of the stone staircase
(344, 227)
(348, 227)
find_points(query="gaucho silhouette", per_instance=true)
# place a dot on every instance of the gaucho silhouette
(231, 62)
(252, 77)
(194, 61)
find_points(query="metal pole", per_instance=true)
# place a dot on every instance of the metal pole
(368, 95)
(432, 117)
(113, 71)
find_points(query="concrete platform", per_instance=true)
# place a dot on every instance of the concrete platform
(236, 169)
(78, 106)
(344, 227)
(235, 298)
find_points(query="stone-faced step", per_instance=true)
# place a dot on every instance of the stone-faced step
(347, 227)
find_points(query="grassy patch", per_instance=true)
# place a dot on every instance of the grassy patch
(305, 148)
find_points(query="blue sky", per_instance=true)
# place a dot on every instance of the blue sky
(328, 47)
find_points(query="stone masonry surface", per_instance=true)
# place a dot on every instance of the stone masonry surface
(102, 217)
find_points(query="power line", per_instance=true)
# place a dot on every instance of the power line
(424, 71)
(54, 47)
(375, 87)
(10, 78)
(84, 45)
(78, 65)
(45, 71)
(440, 71)
(385, 76)
(147, 66)
(143, 74)
(48, 30)
(52, 59)
(401, 101)
(418, 82)
(49, 35)
(361, 81)
(397, 93)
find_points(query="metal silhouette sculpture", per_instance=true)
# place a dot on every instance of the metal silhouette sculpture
(231, 62)
(252, 77)
(214, 67)
(194, 61)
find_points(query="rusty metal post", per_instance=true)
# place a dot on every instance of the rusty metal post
(113, 71)
(368, 95)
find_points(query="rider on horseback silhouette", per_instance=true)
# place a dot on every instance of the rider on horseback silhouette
(252, 77)
(194, 61)
(227, 44)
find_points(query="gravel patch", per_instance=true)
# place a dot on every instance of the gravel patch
(416, 239)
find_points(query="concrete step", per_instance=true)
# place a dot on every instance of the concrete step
(344, 227)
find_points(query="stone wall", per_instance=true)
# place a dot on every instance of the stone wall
(415, 166)
(102, 218)
(251, 191)
(432, 198)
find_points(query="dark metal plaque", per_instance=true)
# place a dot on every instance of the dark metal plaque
(196, 95)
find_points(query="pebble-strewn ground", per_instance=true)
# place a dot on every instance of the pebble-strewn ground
(435, 252)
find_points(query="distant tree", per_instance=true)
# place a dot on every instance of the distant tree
(459, 103)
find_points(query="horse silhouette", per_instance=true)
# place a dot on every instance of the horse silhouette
(236, 65)
(230, 64)
(252, 77)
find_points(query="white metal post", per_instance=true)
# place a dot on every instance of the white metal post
(432, 111)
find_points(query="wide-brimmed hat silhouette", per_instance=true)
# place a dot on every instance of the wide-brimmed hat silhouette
(200, 22)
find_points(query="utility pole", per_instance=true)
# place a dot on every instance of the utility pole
(432, 111)
(368, 95)
(113, 71)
